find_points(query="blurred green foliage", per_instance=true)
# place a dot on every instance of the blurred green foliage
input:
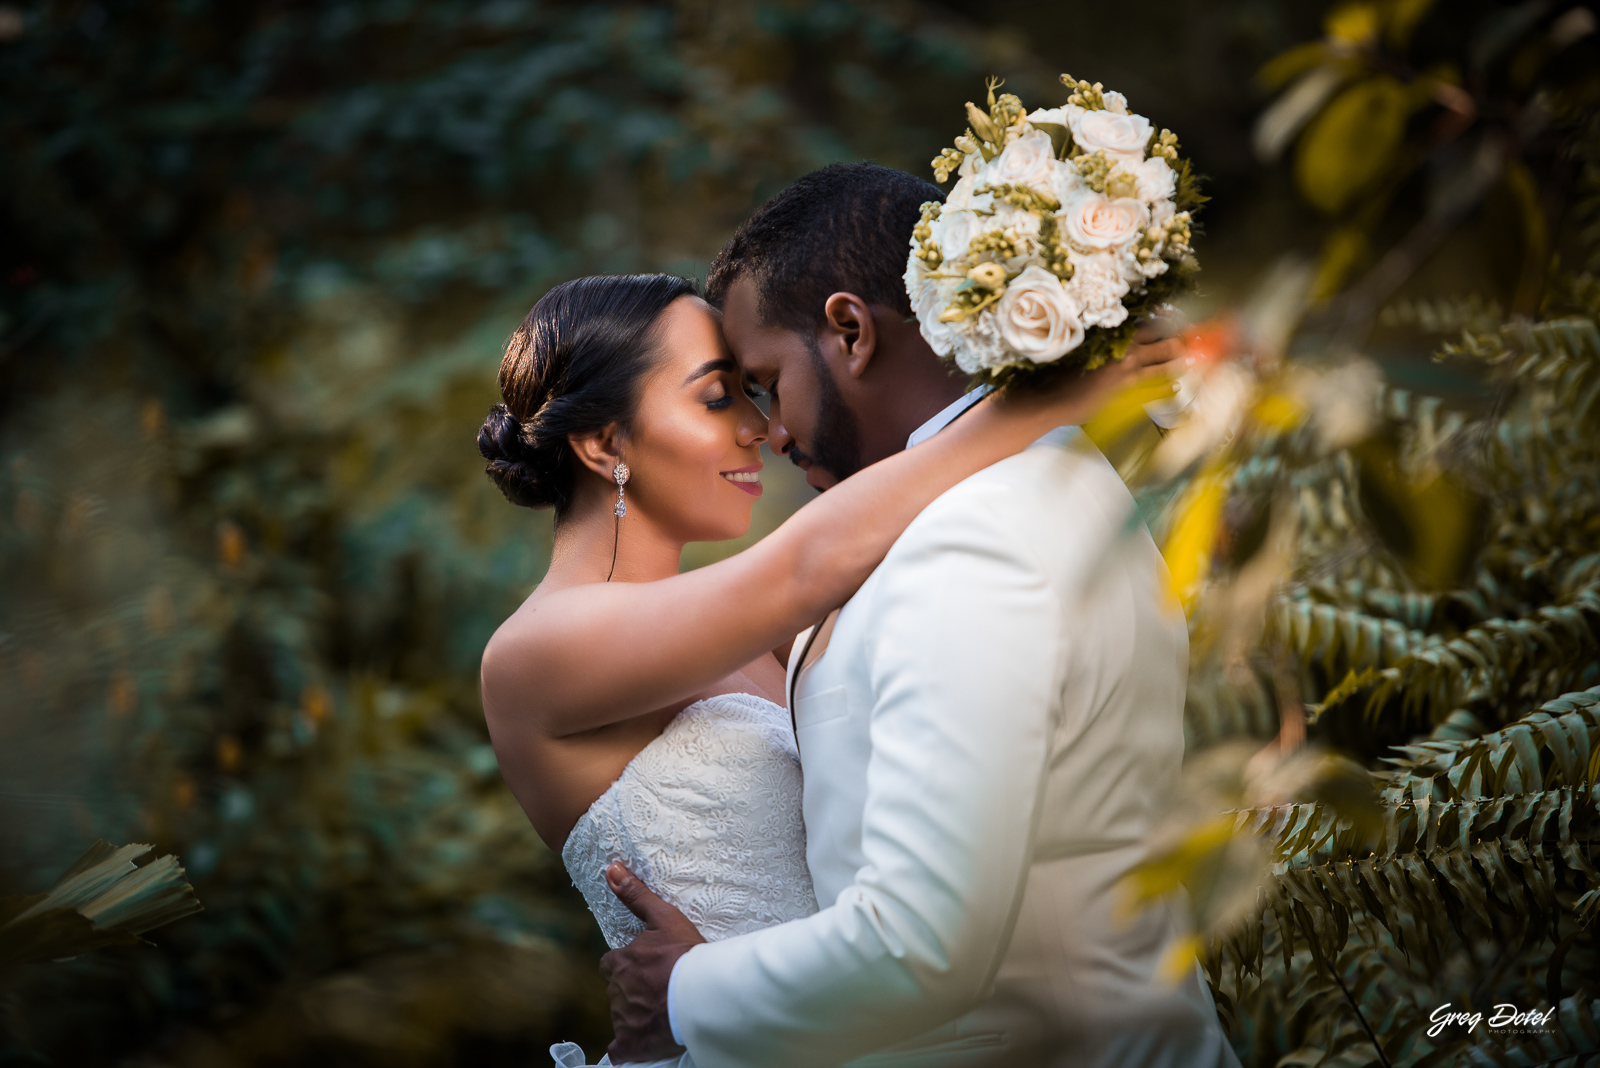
(1426, 595)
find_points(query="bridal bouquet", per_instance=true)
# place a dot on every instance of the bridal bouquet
(1065, 226)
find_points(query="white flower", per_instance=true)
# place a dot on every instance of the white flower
(1099, 287)
(979, 343)
(1162, 211)
(1156, 179)
(1146, 269)
(961, 197)
(1038, 318)
(1064, 116)
(1019, 224)
(1065, 182)
(1115, 102)
(954, 231)
(1121, 137)
(1029, 160)
(1095, 221)
(930, 295)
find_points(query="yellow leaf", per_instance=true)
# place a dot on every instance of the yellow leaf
(1344, 249)
(1352, 142)
(1193, 536)
(1284, 67)
(1178, 959)
(1125, 411)
(1279, 411)
(1355, 24)
(1434, 525)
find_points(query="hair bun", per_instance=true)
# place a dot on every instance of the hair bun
(573, 367)
(512, 462)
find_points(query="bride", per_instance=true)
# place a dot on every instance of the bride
(638, 713)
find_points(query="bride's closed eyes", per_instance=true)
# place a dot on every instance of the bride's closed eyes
(723, 395)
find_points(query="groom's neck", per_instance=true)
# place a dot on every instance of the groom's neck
(905, 386)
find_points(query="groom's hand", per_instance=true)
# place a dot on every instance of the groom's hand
(637, 974)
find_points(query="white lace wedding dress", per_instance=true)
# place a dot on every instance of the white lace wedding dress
(708, 815)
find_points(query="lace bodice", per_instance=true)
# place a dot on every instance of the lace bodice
(708, 815)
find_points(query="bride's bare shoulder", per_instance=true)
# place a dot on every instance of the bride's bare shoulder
(522, 648)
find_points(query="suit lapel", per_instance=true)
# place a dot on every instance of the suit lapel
(811, 651)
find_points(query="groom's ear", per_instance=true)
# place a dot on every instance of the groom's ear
(848, 328)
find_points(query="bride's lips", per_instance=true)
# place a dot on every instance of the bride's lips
(746, 478)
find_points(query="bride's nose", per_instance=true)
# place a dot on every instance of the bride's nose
(752, 426)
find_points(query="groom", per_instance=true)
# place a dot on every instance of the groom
(986, 728)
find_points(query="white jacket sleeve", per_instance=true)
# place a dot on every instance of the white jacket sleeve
(966, 688)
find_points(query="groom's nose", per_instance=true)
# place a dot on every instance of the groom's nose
(779, 440)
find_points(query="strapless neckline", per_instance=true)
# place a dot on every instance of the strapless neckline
(709, 816)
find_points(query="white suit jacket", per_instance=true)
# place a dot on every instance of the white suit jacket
(985, 744)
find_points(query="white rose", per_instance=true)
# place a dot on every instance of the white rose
(1029, 160)
(1115, 102)
(954, 231)
(1099, 287)
(1121, 137)
(1156, 179)
(1095, 221)
(1038, 318)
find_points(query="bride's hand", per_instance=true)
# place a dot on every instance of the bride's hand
(1075, 399)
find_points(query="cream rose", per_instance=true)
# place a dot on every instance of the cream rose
(1029, 160)
(1098, 222)
(1098, 286)
(1038, 319)
(1121, 137)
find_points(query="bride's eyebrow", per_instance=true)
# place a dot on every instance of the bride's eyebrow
(725, 363)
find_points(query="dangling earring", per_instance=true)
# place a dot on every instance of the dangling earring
(620, 473)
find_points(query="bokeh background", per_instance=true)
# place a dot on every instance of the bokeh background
(257, 262)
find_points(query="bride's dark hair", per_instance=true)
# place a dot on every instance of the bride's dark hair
(572, 367)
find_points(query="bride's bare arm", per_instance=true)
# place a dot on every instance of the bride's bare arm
(595, 654)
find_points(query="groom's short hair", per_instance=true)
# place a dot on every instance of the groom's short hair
(844, 228)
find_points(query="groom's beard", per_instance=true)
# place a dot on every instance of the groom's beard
(836, 441)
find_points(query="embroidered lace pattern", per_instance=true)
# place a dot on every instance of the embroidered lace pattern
(708, 815)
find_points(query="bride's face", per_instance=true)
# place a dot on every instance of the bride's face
(695, 448)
